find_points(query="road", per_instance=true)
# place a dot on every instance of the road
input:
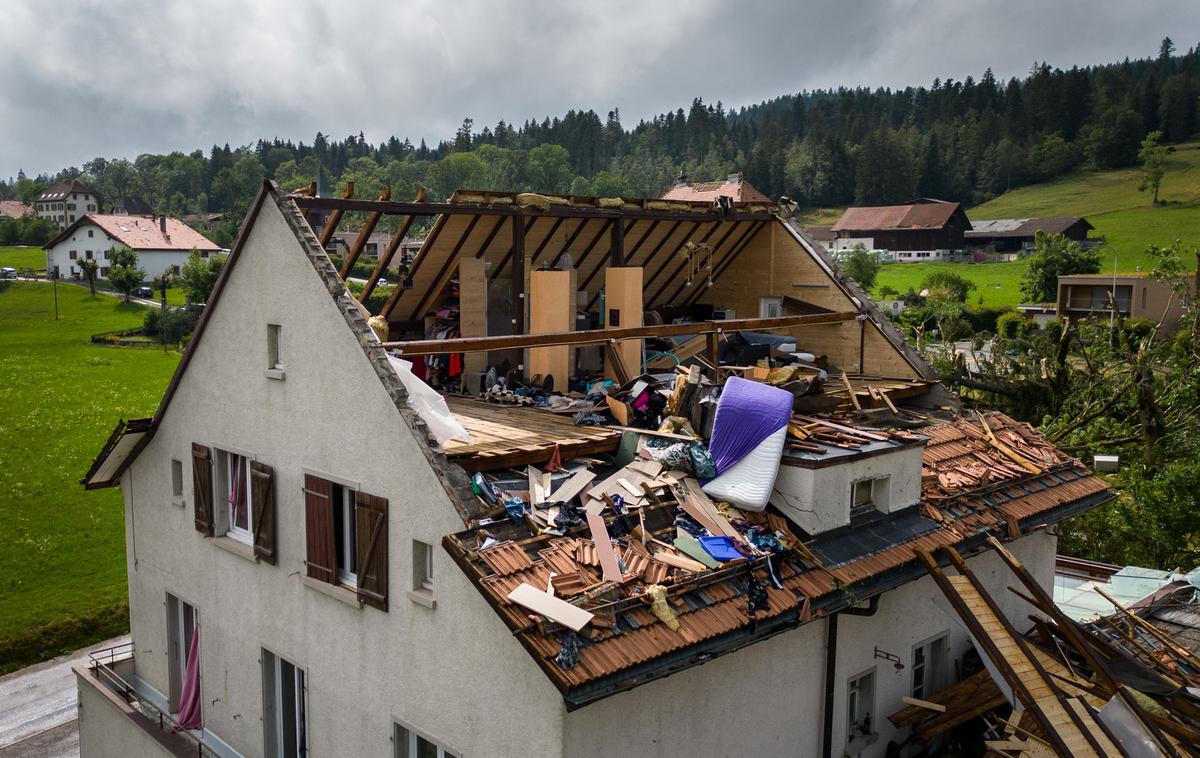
(73, 283)
(38, 714)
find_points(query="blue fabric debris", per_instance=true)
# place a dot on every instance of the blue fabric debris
(568, 657)
(515, 508)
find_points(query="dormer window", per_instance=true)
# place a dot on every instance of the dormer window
(867, 495)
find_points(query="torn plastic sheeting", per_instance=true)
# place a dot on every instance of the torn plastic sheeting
(428, 404)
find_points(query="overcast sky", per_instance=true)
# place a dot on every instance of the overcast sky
(122, 77)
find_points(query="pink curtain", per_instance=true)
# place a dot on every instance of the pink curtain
(236, 493)
(189, 701)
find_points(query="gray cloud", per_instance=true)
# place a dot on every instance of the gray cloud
(123, 77)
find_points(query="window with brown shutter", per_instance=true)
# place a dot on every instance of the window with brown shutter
(318, 523)
(202, 491)
(372, 548)
(262, 494)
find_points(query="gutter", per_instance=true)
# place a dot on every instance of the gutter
(831, 641)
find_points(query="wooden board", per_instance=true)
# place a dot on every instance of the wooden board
(549, 606)
(551, 309)
(604, 548)
(623, 308)
(504, 436)
(472, 290)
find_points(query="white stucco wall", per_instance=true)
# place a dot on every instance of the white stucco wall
(455, 673)
(768, 699)
(60, 213)
(153, 262)
(818, 499)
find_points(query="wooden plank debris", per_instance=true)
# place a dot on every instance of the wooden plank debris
(604, 548)
(553, 608)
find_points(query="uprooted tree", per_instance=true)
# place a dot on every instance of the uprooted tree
(1126, 389)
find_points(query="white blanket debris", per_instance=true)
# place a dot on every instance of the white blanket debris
(428, 404)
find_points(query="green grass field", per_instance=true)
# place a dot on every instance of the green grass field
(63, 564)
(22, 257)
(1108, 199)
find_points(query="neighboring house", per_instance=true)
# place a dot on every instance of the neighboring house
(919, 232)
(288, 514)
(159, 242)
(1016, 235)
(66, 202)
(131, 206)
(341, 243)
(735, 187)
(14, 209)
(822, 233)
(1139, 294)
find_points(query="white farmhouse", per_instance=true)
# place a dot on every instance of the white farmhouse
(159, 241)
(312, 573)
(66, 202)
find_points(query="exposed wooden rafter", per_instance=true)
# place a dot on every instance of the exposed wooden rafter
(364, 234)
(335, 217)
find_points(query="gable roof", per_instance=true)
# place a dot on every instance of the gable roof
(143, 233)
(735, 188)
(14, 209)
(926, 215)
(1024, 227)
(60, 190)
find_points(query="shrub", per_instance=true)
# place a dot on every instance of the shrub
(1013, 325)
(173, 324)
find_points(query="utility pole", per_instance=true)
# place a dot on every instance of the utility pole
(54, 277)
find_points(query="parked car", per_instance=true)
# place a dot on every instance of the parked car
(8, 273)
(143, 292)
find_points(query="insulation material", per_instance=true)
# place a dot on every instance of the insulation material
(747, 442)
(428, 404)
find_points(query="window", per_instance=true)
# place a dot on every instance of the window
(91, 232)
(867, 495)
(181, 626)
(176, 478)
(344, 534)
(346, 538)
(87, 254)
(1143, 298)
(422, 566)
(74, 255)
(409, 744)
(274, 346)
(235, 506)
(928, 667)
(71, 206)
(860, 703)
(104, 270)
(770, 307)
(108, 255)
(284, 728)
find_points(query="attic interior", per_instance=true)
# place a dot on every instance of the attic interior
(672, 455)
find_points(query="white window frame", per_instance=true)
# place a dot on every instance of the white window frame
(422, 566)
(880, 492)
(855, 697)
(176, 477)
(405, 742)
(349, 547)
(770, 307)
(274, 663)
(274, 346)
(931, 667)
(225, 462)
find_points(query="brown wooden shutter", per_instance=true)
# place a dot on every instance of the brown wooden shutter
(202, 492)
(318, 525)
(262, 496)
(371, 549)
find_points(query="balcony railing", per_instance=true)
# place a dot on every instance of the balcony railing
(103, 666)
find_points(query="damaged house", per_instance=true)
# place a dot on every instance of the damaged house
(607, 476)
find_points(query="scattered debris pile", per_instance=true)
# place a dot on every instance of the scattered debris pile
(1117, 687)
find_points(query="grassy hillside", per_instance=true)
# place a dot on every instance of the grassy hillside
(63, 564)
(1108, 199)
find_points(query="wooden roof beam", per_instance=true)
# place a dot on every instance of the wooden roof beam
(386, 257)
(636, 247)
(529, 223)
(364, 234)
(422, 254)
(334, 218)
(598, 336)
(348, 204)
(443, 274)
(667, 283)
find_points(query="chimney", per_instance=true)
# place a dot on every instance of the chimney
(162, 226)
(682, 181)
(734, 178)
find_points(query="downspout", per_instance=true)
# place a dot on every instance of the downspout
(831, 639)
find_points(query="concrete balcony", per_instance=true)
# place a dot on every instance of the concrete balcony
(119, 715)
